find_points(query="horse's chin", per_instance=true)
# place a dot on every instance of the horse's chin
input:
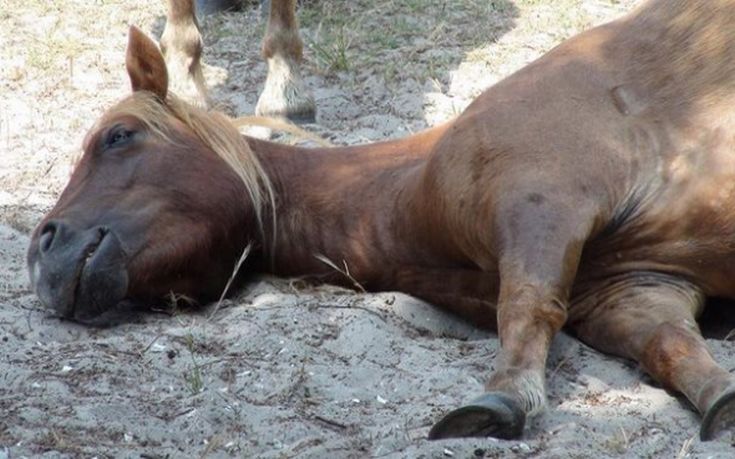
(84, 284)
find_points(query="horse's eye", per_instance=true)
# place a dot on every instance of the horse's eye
(118, 137)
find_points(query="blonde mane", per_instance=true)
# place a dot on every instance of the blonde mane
(215, 129)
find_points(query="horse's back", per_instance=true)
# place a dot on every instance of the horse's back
(595, 125)
(549, 134)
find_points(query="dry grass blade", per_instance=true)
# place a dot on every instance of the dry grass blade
(684, 451)
(558, 366)
(245, 253)
(214, 443)
(344, 271)
(280, 125)
(729, 335)
(150, 344)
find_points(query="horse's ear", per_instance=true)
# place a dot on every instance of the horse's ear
(145, 64)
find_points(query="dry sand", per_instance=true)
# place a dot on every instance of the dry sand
(284, 371)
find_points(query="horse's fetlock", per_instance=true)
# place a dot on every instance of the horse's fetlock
(285, 42)
(523, 385)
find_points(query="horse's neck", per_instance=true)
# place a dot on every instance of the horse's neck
(349, 205)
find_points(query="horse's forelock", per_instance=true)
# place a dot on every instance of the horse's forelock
(214, 129)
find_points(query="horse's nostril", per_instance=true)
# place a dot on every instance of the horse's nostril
(47, 237)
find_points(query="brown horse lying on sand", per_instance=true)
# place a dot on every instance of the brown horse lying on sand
(593, 189)
(284, 93)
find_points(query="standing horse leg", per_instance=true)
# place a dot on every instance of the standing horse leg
(539, 245)
(284, 93)
(181, 44)
(650, 318)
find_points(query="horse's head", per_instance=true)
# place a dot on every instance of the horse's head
(163, 200)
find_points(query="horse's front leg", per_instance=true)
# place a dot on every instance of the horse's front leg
(284, 93)
(539, 242)
(181, 44)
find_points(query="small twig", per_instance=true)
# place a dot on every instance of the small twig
(329, 421)
(71, 70)
(344, 271)
(245, 253)
(150, 345)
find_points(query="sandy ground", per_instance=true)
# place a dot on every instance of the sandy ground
(282, 370)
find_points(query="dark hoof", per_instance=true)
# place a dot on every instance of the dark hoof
(205, 7)
(307, 117)
(492, 415)
(720, 417)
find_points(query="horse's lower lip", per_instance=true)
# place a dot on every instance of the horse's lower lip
(89, 251)
(102, 278)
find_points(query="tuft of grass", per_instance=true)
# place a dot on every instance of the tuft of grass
(330, 50)
(193, 376)
(54, 52)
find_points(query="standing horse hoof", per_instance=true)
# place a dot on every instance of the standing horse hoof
(217, 6)
(492, 415)
(299, 110)
(306, 117)
(284, 94)
(720, 417)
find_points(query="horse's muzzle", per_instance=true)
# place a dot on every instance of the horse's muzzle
(80, 274)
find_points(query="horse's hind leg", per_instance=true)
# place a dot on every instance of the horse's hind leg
(651, 318)
(284, 93)
(181, 44)
(539, 243)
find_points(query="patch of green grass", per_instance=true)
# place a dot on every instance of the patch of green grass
(331, 50)
(193, 376)
(383, 40)
(400, 25)
(415, 6)
(500, 6)
(52, 52)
